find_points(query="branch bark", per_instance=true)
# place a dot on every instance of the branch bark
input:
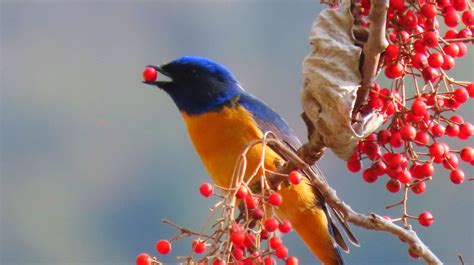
(371, 222)
(372, 49)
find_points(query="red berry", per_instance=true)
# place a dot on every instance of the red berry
(242, 192)
(451, 19)
(422, 138)
(470, 90)
(438, 130)
(268, 261)
(430, 39)
(429, 74)
(404, 176)
(199, 246)
(451, 34)
(271, 224)
(275, 199)
(408, 132)
(448, 62)
(249, 242)
(435, 60)
(353, 164)
(429, 10)
(461, 95)
(393, 185)
(468, 17)
(370, 175)
(436, 150)
(419, 108)
(427, 170)
(457, 176)
(285, 226)
(467, 154)
(452, 130)
(295, 177)
(257, 214)
(396, 139)
(143, 259)
(392, 51)
(418, 187)
(150, 74)
(419, 46)
(237, 253)
(425, 219)
(397, 4)
(250, 202)
(451, 49)
(281, 252)
(275, 242)
(459, 5)
(291, 261)
(163, 247)
(462, 49)
(394, 70)
(219, 262)
(206, 189)
(457, 119)
(383, 137)
(237, 238)
(466, 130)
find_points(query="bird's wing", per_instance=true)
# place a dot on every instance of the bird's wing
(268, 120)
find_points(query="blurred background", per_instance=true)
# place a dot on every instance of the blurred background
(92, 159)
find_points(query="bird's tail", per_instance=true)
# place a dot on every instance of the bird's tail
(312, 223)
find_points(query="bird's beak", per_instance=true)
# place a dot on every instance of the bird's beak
(160, 83)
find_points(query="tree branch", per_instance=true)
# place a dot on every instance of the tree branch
(372, 222)
(372, 49)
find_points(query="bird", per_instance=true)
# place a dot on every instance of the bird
(222, 119)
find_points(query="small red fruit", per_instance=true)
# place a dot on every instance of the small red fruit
(393, 185)
(419, 107)
(461, 95)
(436, 150)
(394, 70)
(408, 132)
(457, 176)
(219, 262)
(242, 192)
(435, 60)
(150, 74)
(206, 189)
(425, 219)
(199, 246)
(429, 10)
(295, 177)
(418, 187)
(275, 199)
(143, 259)
(237, 238)
(281, 252)
(271, 224)
(275, 242)
(467, 154)
(292, 261)
(370, 175)
(285, 226)
(163, 247)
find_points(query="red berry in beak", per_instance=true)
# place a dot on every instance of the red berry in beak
(150, 74)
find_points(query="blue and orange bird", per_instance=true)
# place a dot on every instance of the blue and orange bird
(222, 119)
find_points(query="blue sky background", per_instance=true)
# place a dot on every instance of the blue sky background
(92, 160)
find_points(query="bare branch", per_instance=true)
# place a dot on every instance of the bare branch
(372, 49)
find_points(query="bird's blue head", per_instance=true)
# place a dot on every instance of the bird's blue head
(197, 84)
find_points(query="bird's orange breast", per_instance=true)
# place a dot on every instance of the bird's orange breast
(221, 136)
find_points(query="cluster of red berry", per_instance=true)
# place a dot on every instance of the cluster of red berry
(418, 105)
(241, 240)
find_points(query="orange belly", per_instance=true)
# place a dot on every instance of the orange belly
(220, 137)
